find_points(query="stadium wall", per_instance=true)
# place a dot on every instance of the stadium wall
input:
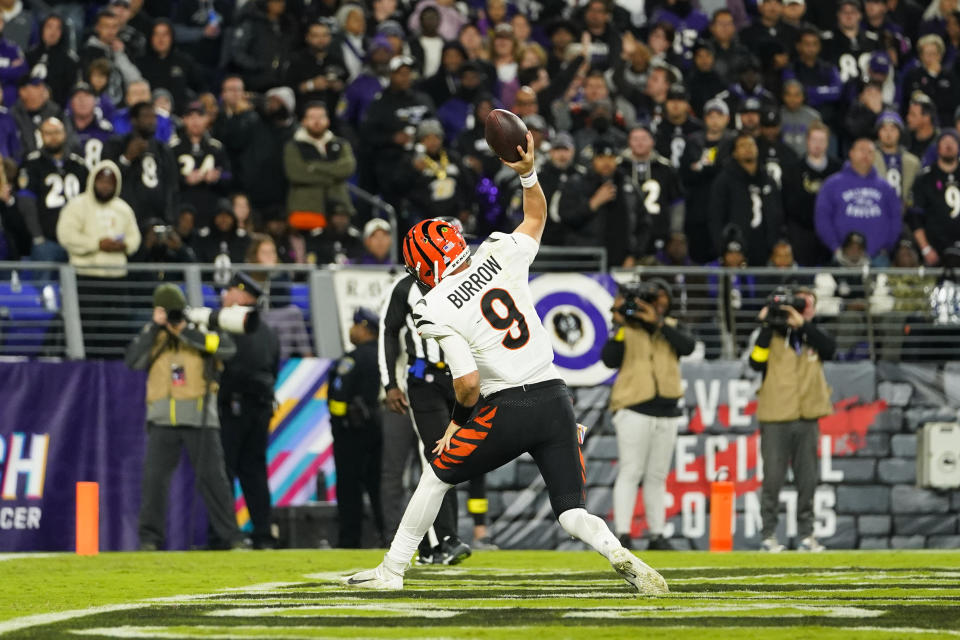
(867, 498)
(65, 422)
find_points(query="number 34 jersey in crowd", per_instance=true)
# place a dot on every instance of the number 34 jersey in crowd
(489, 305)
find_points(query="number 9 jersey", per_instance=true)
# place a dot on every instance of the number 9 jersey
(936, 206)
(487, 309)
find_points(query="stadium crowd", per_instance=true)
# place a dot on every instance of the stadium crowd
(670, 132)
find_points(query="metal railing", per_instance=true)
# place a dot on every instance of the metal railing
(379, 203)
(47, 310)
(873, 313)
(578, 259)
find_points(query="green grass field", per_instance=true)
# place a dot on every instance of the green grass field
(505, 594)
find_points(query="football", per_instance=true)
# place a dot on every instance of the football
(504, 132)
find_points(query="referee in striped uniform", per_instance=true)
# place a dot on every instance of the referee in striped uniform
(431, 398)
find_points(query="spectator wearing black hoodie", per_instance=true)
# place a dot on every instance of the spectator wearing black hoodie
(165, 67)
(745, 196)
(33, 107)
(150, 175)
(261, 45)
(337, 243)
(445, 83)
(223, 237)
(456, 112)
(704, 80)
(60, 62)
(699, 166)
(198, 25)
(317, 73)
(390, 125)
(262, 158)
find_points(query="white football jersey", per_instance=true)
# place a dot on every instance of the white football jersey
(489, 305)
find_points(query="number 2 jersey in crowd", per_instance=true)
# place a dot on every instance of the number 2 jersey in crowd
(490, 307)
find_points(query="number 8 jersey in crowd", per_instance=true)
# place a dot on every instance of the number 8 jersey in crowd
(489, 306)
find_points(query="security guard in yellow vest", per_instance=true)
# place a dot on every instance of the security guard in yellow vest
(646, 346)
(183, 363)
(356, 424)
(790, 351)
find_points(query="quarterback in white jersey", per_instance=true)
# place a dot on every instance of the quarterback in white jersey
(510, 399)
(489, 306)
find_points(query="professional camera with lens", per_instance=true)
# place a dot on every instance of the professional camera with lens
(633, 293)
(235, 319)
(783, 297)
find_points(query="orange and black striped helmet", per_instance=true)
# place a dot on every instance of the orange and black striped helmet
(432, 249)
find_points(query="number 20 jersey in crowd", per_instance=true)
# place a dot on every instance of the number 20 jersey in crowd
(490, 306)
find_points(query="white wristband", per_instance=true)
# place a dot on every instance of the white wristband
(529, 180)
(927, 249)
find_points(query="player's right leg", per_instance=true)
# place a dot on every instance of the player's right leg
(558, 456)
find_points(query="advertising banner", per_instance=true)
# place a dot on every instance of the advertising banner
(63, 423)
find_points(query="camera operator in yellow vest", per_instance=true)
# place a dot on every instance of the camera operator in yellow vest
(183, 363)
(790, 351)
(645, 346)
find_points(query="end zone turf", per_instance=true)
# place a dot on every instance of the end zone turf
(295, 594)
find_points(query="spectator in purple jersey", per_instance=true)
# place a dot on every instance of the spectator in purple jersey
(9, 136)
(820, 80)
(361, 93)
(12, 67)
(139, 91)
(88, 131)
(858, 199)
(688, 23)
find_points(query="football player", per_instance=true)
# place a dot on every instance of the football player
(510, 399)
(49, 178)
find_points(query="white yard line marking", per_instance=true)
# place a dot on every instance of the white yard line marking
(24, 556)
(218, 633)
(39, 619)
(414, 610)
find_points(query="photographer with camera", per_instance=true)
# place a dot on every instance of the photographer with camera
(790, 351)
(645, 346)
(245, 404)
(183, 361)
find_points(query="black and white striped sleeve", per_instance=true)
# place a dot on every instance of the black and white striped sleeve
(393, 318)
(424, 323)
